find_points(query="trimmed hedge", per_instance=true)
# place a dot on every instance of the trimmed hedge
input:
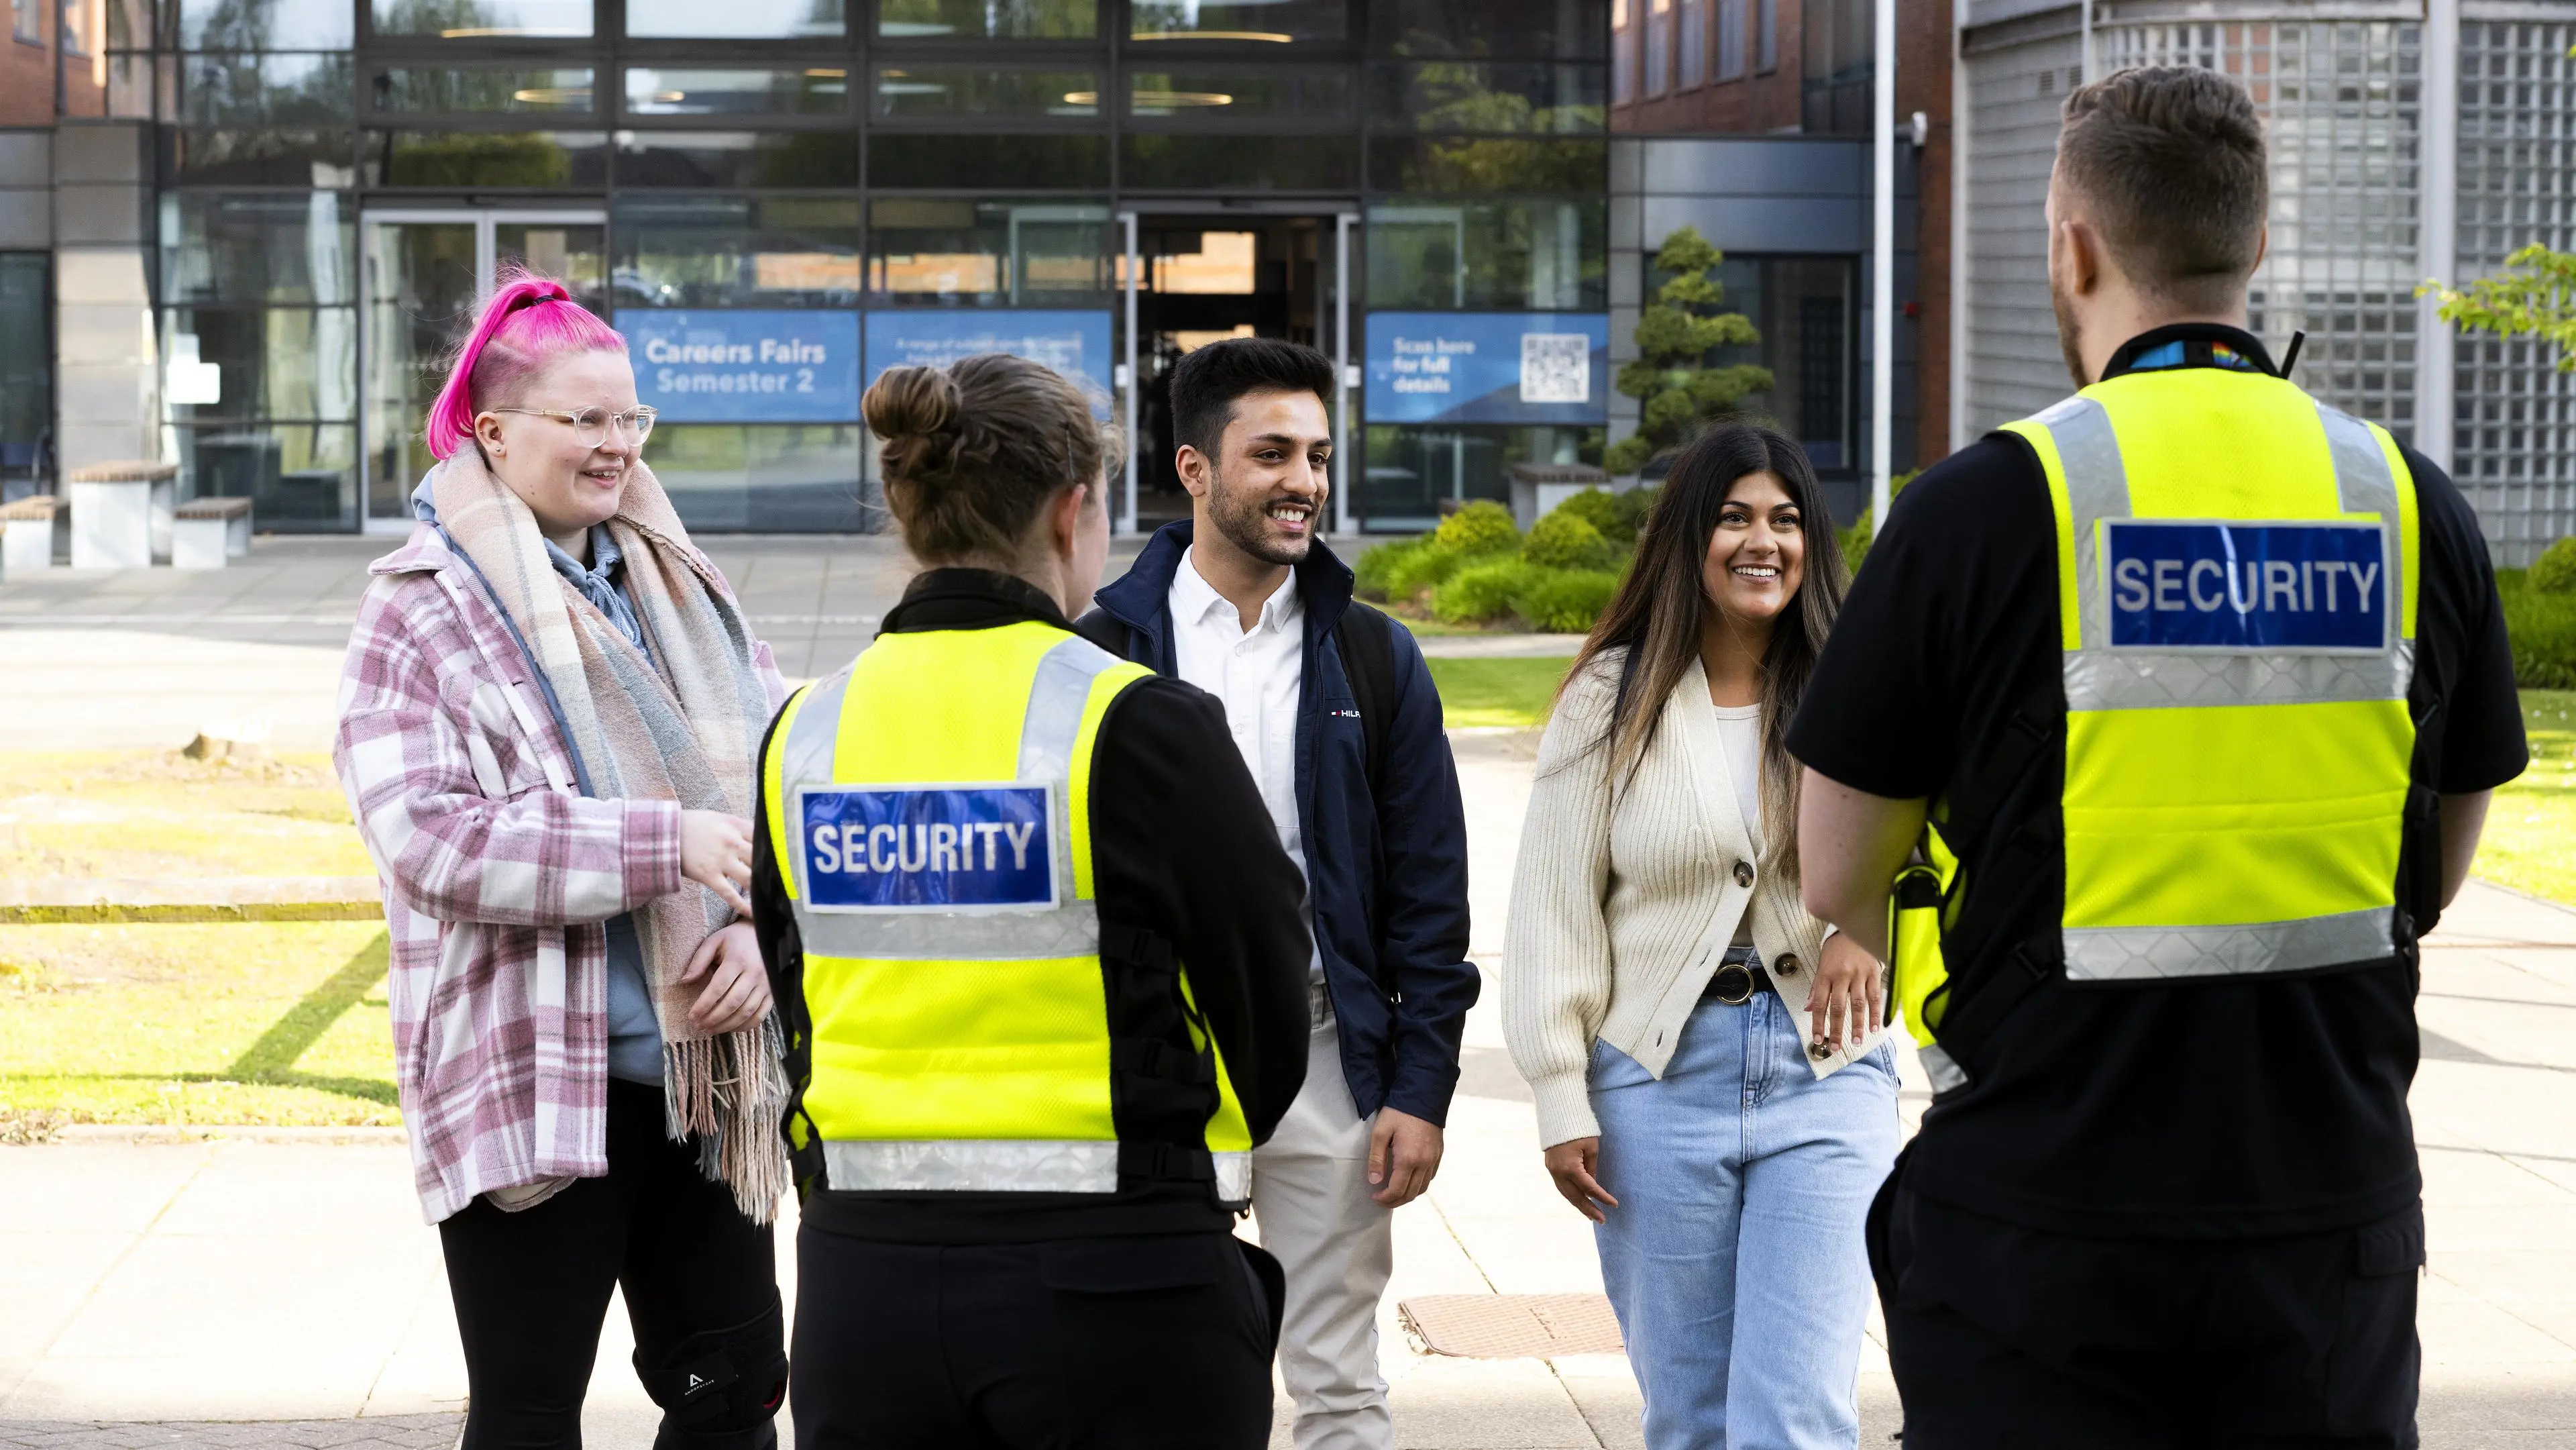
(2543, 627)
(1565, 541)
(1483, 592)
(2554, 572)
(1476, 568)
(1566, 601)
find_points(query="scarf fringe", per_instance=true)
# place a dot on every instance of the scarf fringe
(731, 1093)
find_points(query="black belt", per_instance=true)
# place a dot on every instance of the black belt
(1735, 983)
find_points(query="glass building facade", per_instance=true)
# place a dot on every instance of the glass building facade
(776, 199)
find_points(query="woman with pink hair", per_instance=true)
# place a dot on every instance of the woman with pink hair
(548, 728)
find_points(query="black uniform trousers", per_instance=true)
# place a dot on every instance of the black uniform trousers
(2006, 1338)
(701, 1283)
(1125, 1343)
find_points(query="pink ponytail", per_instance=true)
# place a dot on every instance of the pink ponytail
(529, 322)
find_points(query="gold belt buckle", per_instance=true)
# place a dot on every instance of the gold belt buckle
(1733, 984)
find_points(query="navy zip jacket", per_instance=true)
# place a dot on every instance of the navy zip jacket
(1386, 879)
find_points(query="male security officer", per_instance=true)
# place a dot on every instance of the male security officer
(1041, 967)
(2207, 684)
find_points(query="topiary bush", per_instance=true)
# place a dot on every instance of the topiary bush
(1566, 541)
(1482, 527)
(1482, 593)
(2543, 629)
(2554, 572)
(1566, 601)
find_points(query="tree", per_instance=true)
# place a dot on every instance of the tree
(2534, 297)
(1681, 390)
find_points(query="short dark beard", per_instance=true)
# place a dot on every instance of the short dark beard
(2069, 340)
(1239, 517)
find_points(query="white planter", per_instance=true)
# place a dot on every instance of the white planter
(111, 524)
(200, 543)
(27, 546)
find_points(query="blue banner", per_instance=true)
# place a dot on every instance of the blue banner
(1488, 367)
(1075, 344)
(2269, 586)
(931, 848)
(745, 367)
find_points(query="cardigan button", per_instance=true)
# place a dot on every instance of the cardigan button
(1787, 966)
(1817, 1051)
(1743, 873)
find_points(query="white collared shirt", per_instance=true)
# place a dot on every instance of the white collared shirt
(1258, 674)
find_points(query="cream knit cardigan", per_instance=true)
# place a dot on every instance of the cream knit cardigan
(1627, 895)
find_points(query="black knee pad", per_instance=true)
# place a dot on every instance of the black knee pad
(720, 1390)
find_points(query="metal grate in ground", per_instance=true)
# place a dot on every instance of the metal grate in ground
(391, 1432)
(1511, 1326)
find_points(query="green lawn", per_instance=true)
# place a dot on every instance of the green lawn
(1508, 692)
(145, 813)
(2530, 841)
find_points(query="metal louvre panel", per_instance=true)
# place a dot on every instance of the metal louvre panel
(2157, 953)
(975, 1165)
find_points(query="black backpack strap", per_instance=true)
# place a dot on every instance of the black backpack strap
(1367, 642)
(1103, 629)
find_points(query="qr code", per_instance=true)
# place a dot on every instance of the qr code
(1556, 367)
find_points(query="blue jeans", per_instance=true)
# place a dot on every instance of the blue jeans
(1742, 1181)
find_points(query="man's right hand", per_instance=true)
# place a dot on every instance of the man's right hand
(1572, 1165)
(715, 852)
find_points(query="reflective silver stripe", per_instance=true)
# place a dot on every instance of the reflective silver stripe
(1233, 1177)
(2146, 953)
(2097, 488)
(2364, 485)
(1941, 1068)
(811, 738)
(971, 1165)
(1052, 724)
(2102, 679)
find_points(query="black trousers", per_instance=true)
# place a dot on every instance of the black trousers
(1159, 1340)
(2002, 1336)
(701, 1283)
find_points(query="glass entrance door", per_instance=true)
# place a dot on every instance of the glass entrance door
(426, 274)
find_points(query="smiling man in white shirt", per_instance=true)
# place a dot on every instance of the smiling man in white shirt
(1333, 709)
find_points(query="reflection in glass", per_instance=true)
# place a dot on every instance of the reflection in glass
(275, 362)
(1453, 95)
(1488, 164)
(573, 253)
(932, 163)
(705, 252)
(774, 479)
(1245, 163)
(422, 280)
(955, 91)
(299, 477)
(1273, 22)
(458, 89)
(26, 373)
(1502, 256)
(1414, 468)
(1230, 93)
(231, 248)
(260, 158)
(487, 160)
(737, 158)
(482, 19)
(814, 91)
(264, 24)
(1806, 311)
(930, 252)
(264, 90)
(1496, 29)
(988, 19)
(735, 19)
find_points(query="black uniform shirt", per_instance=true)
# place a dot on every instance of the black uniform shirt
(1182, 846)
(2207, 1108)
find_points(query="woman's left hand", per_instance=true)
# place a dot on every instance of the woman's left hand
(737, 991)
(1848, 999)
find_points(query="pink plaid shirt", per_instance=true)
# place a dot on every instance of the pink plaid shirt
(498, 875)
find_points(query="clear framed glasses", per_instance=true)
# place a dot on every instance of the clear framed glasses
(590, 425)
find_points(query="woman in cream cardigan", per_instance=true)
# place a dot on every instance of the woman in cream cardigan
(1714, 1086)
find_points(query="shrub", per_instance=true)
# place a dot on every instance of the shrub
(1566, 541)
(2554, 572)
(1566, 601)
(1482, 592)
(2543, 629)
(1378, 566)
(1617, 515)
(1423, 568)
(1482, 527)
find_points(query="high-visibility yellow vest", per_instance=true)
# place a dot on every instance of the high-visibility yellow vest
(929, 808)
(2236, 606)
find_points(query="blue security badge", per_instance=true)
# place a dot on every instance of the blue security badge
(2248, 586)
(935, 848)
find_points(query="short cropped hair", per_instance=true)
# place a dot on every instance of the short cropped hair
(2171, 161)
(1206, 383)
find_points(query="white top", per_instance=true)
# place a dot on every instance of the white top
(1258, 675)
(1627, 893)
(1739, 736)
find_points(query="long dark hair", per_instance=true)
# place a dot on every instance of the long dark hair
(1659, 607)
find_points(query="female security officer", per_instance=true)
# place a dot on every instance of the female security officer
(1043, 970)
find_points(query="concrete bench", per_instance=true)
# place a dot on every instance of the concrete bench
(27, 534)
(114, 508)
(204, 532)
